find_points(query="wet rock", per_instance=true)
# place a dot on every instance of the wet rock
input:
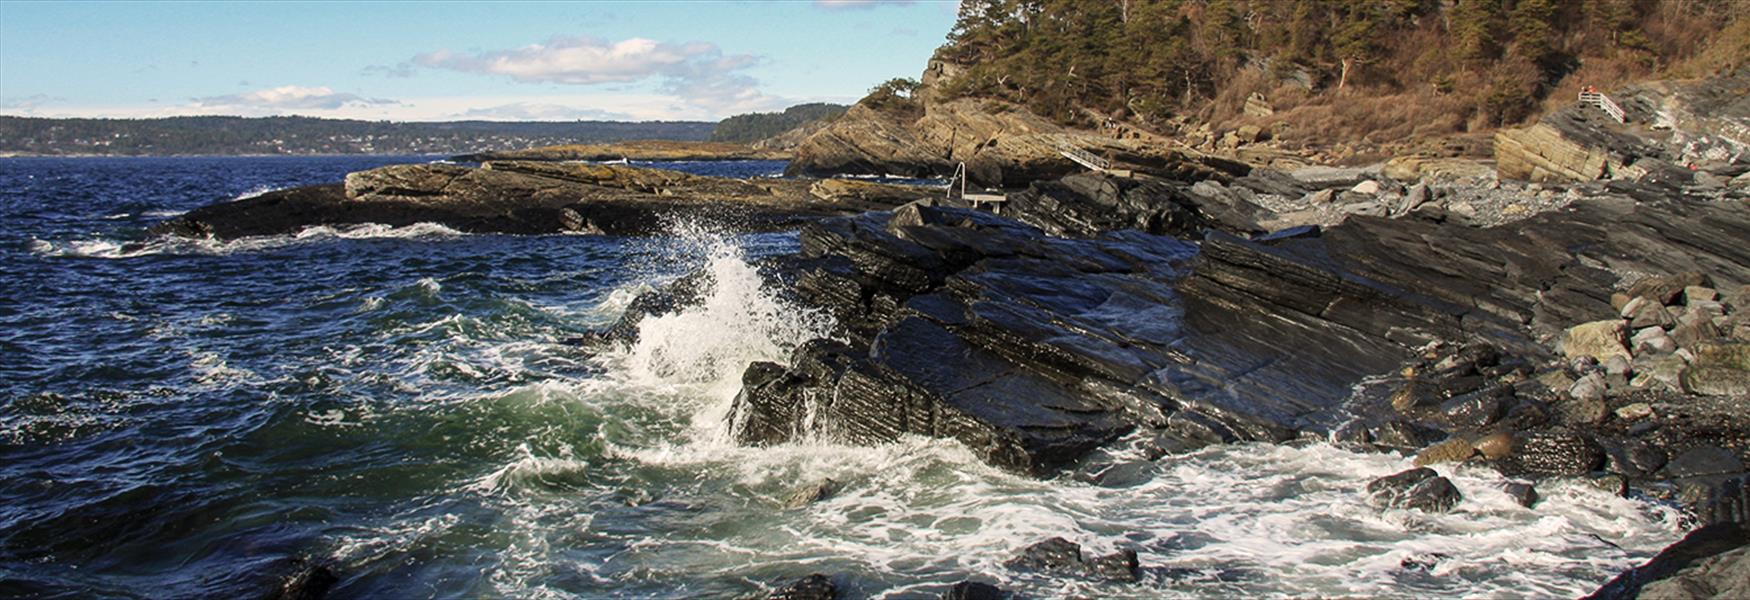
(516, 197)
(1716, 498)
(812, 494)
(1524, 494)
(1552, 453)
(1703, 460)
(1599, 340)
(974, 590)
(309, 582)
(1609, 483)
(1420, 488)
(1061, 555)
(1449, 451)
(1403, 436)
(1477, 409)
(1495, 445)
(1708, 563)
(1634, 459)
(812, 587)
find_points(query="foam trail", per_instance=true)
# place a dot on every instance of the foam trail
(178, 245)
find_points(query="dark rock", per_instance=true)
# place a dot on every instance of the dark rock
(1477, 409)
(1634, 459)
(1552, 453)
(812, 494)
(812, 587)
(1061, 555)
(1416, 488)
(1523, 493)
(1689, 568)
(974, 590)
(1717, 498)
(1423, 562)
(1703, 460)
(310, 582)
(521, 198)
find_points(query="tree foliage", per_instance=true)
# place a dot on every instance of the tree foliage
(753, 127)
(1082, 60)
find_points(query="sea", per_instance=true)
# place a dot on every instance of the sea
(409, 408)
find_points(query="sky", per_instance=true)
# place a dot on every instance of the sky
(433, 61)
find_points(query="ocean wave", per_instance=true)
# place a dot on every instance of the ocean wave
(110, 248)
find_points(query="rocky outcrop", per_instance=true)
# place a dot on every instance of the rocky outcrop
(1710, 562)
(1421, 489)
(1032, 350)
(530, 198)
(1064, 556)
(632, 150)
(1674, 130)
(1003, 146)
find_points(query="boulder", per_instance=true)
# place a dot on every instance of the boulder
(1552, 453)
(1064, 556)
(1600, 340)
(974, 590)
(1524, 494)
(1449, 451)
(1420, 488)
(1710, 562)
(812, 587)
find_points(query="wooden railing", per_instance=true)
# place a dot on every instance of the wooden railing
(1605, 104)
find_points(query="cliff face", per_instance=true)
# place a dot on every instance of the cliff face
(1002, 145)
(1674, 130)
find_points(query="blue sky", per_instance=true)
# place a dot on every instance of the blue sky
(640, 60)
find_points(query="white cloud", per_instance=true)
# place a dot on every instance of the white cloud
(289, 97)
(697, 74)
(538, 111)
(578, 60)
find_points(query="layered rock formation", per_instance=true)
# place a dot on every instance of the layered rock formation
(532, 198)
(1002, 145)
(1033, 350)
(1674, 130)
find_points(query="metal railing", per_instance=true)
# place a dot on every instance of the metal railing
(1083, 157)
(1605, 104)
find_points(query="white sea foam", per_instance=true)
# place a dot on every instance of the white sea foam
(177, 245)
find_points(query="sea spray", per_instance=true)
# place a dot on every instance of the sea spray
(705, 348)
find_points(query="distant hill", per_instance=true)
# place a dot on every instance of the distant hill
(754, 127)
(307, 135)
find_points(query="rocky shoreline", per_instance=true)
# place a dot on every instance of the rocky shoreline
(1577, 328)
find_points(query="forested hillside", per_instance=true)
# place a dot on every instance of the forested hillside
(753, 127)
(1376, 69)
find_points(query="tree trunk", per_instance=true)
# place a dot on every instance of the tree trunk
(1343, 79)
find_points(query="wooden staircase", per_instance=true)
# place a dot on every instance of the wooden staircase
(1603, 103)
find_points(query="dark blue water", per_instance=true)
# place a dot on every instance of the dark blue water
(405, 407)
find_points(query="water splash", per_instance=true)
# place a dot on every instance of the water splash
(703, 350)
